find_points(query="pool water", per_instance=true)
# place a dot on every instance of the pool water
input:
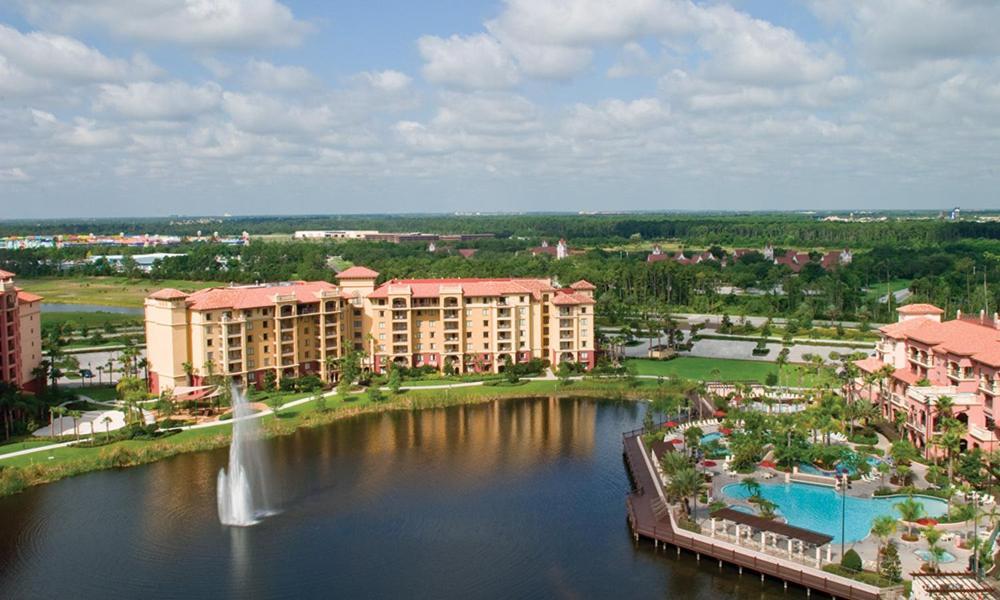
(925, 555)
(715, 436)
(810, 469)
(819, 508)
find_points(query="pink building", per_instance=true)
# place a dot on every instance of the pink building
(20, 335)
(959, 359)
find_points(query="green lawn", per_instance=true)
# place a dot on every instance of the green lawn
(91, 320)
(110, 291)
(101, 393)
(878, 290)
(721, 369)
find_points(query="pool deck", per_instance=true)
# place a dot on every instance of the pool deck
(650, 517)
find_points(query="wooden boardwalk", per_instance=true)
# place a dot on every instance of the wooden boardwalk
(650, 517)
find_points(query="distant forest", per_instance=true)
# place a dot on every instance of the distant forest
(955, 265)
(781, 229)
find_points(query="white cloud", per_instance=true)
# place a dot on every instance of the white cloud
(200, 23)
(616, 118)
(36, 62)
(14, 175)
(262, 75)
(385, 81)
(146, 100)
(470, 62)
(263, 114)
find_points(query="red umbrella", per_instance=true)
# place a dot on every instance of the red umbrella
(927, 521)
(725, 431)
(708, 463)
(670, 424)
(768, 464)
(675, 441)
(720, 413)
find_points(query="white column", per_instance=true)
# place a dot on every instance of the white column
(829, 553)
(817, 556)
(789, 547)
(763, 540)
(713, 526)
(737, 534)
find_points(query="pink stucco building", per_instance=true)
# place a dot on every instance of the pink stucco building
(931, 358)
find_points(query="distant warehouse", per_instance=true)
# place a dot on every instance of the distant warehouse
(395, 238)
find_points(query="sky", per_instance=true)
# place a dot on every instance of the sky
(113, 108)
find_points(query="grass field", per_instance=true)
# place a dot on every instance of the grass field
(110, 291)
(719, 369)
(879, 289)
(91, 320)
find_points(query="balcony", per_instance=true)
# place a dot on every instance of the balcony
(898, 401)
(505, 324)
(287, 337)
(922, 361)
(982, 434)
(400, 339)
(287, 325)
(403, 349)
(453, 347)
(960, 376)
(235, 367)
(398, 315)
(565, 345)
(235, 342)
(451, 314)
(287, 349)
(503, 313)
(504, 347)
(992, 390)
(451, 325)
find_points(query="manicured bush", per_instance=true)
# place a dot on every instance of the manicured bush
(852, 561)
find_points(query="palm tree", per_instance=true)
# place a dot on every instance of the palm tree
(933, 536)
(752, 486)
(189, 371)
(692, 439)
(684, 484)
(909, 511)
(75, 415)
(883, 527)
(107, 427)
(60, 412)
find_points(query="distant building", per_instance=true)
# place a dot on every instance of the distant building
(373, 235)
(145, 262)
(956, 214)
(20, 335)
(560, 251)
(300, 328)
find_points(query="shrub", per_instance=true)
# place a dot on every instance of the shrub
(852, 561)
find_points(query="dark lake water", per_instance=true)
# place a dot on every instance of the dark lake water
(514, 499)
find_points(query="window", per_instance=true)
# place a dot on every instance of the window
(522, 322)
(523, 310)
(486, 312)
(381, 347)
(522, 333)
(583, 321)
(208, 316)
(583, 309)
(381, 324)
(468, 324)
(249, 325)
(468, 335)
(419, 347)
(265, 337)
(266, 350)
(381, 313)
(522, 344)
(433, 347)
(468, 312)
(486, 323)
(249, 339)
(357, 324)
(307, 354)
(209, 356)
(486, 345)
(251, 364)
(249, 351)
(583, 333)
(583, 356)
(418, 335)
(208, 342)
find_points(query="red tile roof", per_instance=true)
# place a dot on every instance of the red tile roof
(431, 288)
(168, 294)
(25, 297)
(583, 284)
(919, 309)
(906, 376)
(979, 341)
(869, 364)
(565, 298)
(467, 252)
(6, 274)
(357, 273)
(256, 296)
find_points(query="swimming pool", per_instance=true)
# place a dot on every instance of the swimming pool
(715, 436)
(818, 507)
(810, 469)
(925, 555)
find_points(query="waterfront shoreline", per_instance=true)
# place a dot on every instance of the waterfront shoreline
(18, 477)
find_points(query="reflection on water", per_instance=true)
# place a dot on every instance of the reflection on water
(521, 498)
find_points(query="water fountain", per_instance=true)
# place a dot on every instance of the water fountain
(242, 491)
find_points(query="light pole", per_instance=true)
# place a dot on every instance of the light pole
(842, 477)
(975, 534)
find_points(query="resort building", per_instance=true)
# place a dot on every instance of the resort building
(301, 328)
(20, 335)
(921, 359)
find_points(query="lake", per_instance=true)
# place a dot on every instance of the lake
(512, 499)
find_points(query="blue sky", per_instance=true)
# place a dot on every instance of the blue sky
(159, 107)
